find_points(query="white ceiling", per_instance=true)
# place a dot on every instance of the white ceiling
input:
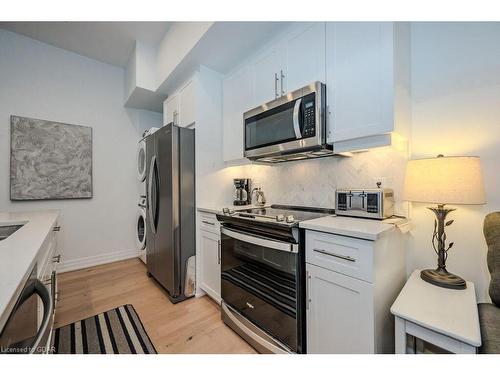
(109, 42)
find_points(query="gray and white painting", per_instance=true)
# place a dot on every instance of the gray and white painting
(49, 160)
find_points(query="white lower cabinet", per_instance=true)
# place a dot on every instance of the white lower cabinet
(339, 314)
(209, 255)
(180, 107)
(351, 284)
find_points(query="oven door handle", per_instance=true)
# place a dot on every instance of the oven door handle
(48, 316)
(37, 287)
(261, 241)
(296, 123)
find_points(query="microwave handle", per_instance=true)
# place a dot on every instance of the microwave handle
(296, 123)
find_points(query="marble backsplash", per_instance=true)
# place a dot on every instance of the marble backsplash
(313, 182)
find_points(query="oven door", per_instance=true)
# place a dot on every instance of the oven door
(285, 125)
(259, 281)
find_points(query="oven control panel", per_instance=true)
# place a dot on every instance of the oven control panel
(309, 116)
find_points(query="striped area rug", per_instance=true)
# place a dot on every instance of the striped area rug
(117, 331)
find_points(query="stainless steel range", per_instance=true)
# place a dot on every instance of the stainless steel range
(263, 275)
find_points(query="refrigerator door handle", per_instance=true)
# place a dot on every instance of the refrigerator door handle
(150, 194)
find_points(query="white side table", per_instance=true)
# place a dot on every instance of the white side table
(446, 318)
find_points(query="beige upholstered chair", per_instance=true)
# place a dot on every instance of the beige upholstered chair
(489, 313)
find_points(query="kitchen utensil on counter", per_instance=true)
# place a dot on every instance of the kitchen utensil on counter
(242, 194)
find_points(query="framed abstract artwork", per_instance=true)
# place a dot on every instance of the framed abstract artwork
(49, 160)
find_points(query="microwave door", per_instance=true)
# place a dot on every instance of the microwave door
(273, 127)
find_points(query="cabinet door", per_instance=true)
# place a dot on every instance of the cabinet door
(305, 57)
(187, 104)
(171, 110)
(340, 313)
(267, 75)
(238, 97)
(210, 254)
(359, 75)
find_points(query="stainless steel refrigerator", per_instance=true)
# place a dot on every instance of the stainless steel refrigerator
(170, 219)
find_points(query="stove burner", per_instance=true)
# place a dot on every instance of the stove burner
(279, 214)
(276, 221)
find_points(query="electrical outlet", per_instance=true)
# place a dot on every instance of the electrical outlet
(385, 182)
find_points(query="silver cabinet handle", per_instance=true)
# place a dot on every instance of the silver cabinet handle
(57, 258)
(219, 251)
(276, 79)
(344, 257)
(175, 118)
(57, 228)
(208, 222)
(282, 78)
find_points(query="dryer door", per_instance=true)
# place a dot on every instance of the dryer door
(141, 229)
(141, 161)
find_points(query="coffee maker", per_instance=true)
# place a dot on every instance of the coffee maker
(242, 193)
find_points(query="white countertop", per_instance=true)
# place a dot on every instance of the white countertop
(368, 229)
(18, 253)
(450, 312)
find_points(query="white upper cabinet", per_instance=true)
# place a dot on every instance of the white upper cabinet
(366, 62)
(267, 70)
(171, 109)
(238, 97)
(291, 63)
(180, 107)
(305, 57)
(187, 104)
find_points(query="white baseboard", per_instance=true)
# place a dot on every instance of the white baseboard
(96, 260)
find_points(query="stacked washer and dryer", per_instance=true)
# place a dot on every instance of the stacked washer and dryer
(141, 212)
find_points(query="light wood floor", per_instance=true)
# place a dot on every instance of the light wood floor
(191, 326)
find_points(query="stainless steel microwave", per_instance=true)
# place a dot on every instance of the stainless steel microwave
(292, 127)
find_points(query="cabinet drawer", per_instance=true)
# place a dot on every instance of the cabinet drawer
(346, 255)
(209, 222)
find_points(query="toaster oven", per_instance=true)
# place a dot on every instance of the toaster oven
(367, 203)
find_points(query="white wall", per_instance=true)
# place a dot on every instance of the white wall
(456, 111)
(42, 81)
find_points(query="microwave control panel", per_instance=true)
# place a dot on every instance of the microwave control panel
(309, 120)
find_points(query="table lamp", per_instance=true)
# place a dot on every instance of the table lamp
(444, 180)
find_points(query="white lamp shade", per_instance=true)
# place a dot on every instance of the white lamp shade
(445, 180)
